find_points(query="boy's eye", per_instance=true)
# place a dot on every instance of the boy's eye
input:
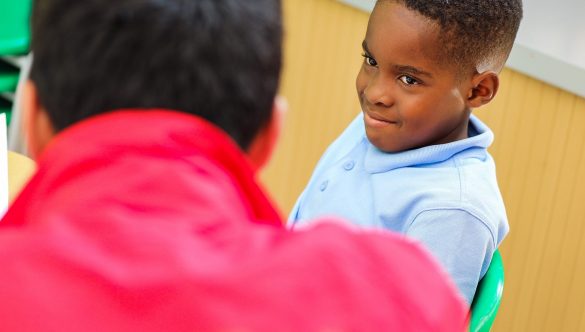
(370, 61)
(408, 80)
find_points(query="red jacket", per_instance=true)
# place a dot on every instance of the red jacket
(153, 221)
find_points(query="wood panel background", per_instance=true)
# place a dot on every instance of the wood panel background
(539, 151)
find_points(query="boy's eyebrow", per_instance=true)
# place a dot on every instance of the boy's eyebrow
(365, 47)
(412, 70)
(401, 68)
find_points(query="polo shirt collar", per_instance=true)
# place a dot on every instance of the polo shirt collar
(377, 161)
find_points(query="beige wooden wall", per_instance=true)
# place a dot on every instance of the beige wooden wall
(539, 151)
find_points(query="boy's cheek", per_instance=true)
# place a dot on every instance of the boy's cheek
(360, 81)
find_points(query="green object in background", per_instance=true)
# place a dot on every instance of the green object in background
(488, 296)
(14, 26)
(8, 77)
(6, 107)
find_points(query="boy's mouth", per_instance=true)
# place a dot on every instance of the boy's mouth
(372, 119)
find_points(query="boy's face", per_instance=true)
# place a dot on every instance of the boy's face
(408, 97)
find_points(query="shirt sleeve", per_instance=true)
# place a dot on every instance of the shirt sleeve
(462, 243)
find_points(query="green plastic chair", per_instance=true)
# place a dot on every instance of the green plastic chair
(8, 77)
(488, 296)
(14, 26)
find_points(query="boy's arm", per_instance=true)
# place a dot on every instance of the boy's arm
(461, 242)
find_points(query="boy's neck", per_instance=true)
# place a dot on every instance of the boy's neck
(460, 132)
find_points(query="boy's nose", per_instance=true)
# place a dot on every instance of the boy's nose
(379, 92)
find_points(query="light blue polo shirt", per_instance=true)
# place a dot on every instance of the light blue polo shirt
(445, 196)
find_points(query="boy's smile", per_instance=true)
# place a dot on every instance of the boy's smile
(409, 97)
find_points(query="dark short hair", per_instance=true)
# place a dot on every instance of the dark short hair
(218, 59)
(472, 31)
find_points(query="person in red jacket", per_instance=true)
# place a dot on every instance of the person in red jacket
(148, 120)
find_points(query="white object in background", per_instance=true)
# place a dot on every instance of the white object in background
(3, 166)
(16, 141)
(365, 5)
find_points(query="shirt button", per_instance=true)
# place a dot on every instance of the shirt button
(324, 185)
(348, 166)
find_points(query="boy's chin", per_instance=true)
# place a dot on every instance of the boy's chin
(383, 144)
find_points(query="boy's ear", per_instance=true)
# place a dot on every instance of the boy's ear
(37, 127)
(263, 145)
(483, 89)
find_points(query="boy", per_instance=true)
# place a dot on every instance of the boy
(147, 119)
(415, 160)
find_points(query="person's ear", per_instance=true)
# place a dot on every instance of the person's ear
(483, 89)
(37, 127)
(263, 144)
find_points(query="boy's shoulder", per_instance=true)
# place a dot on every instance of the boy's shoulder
(351, 136)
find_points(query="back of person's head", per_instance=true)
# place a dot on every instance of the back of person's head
(218, 59)
(473, 33)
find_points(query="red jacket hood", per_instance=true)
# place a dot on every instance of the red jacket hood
(108, 153)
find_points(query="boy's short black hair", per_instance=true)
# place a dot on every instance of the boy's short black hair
(218, 59)
(473, 32)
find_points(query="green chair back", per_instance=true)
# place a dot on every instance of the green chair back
(8, 77)
(14, 26)
(488, 296)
